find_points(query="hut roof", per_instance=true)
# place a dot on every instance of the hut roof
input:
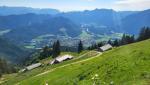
(33, 66)
(62, 58)
(106, 47)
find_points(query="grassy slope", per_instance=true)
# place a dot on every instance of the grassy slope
(127, 65)
(12, 79)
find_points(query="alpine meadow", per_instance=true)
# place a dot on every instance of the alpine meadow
(74, 42)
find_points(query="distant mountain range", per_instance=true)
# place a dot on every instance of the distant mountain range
(22, 24)
(28, 26)
(133, 23)
(124, 21)
(98, 19)
(4, 10)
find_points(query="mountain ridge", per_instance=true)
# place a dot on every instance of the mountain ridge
(7, 10)
(98, 22)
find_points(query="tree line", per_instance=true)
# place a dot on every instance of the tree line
(144, 34)
(126, 39)
(48, 51)
(55, 50)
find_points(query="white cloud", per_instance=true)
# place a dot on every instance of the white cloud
(132, 4)
(131, 1)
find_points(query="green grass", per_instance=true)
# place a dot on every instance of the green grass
(126, 65)
(21, 76)
(74, 54)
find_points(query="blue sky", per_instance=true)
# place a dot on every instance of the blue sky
(70, 5)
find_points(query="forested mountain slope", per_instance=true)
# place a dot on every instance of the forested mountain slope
(11, 52)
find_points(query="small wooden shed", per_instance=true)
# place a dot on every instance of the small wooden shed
(105, 48)
(61, 59)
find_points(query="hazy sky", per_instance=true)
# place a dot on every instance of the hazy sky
(69, 5)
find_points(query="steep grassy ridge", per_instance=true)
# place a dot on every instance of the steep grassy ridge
(22, 76)
(126, 65)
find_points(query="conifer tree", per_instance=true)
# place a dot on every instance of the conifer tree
(116, 42)
(110, 42)
(100, 44)
(45, 53)
(56, 49)
(127, 39)
(144, 34)
(80, 47)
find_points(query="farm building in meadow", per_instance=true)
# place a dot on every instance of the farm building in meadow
(105, 48)
(33, 66)
(30, 67)
(61, 59)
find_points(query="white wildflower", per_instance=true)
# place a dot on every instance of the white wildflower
(111, 82)
(46, 84)
(96, 75)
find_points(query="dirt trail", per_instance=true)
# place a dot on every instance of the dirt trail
(99, 53)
